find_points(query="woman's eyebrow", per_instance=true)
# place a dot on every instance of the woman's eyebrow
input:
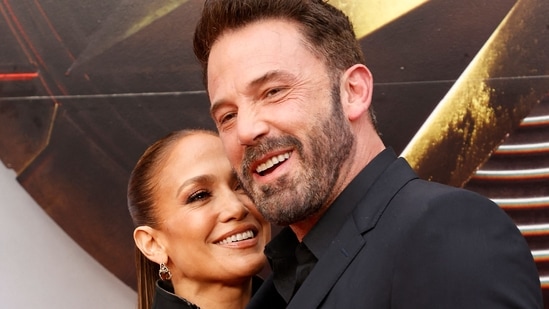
(204, 179)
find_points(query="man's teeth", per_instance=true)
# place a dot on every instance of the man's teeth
(272, 162)
(237, 237)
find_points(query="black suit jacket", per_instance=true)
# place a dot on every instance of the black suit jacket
(411, 243)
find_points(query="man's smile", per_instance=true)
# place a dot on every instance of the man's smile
(272, 162)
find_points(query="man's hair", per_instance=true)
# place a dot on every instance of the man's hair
(327, 31)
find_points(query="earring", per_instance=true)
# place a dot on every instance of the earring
(164, 273)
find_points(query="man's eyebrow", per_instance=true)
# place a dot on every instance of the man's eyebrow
(215, 106)
(269, 76)
(274, 74)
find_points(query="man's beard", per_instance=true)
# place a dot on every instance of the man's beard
(294, 198)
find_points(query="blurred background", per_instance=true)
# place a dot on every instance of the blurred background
(461, 90)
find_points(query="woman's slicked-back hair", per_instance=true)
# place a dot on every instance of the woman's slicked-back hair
(327, 31)
(143, 208)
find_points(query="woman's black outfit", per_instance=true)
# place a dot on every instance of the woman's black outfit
(165, 297)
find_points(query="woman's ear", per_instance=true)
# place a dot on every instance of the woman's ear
(356, 91)
(148, 241)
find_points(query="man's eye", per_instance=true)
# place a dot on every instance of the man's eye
(273, 92)
(198, 196)
(226, 117)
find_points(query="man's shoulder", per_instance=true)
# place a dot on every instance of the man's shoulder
(433, 193)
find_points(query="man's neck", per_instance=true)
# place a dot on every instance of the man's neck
(303, 227)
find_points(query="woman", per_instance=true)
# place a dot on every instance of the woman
(195, 226)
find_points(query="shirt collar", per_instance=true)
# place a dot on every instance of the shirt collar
(319, 238)
(283, 245)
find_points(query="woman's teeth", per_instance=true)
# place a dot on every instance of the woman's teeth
(272, 162)
(237, 237)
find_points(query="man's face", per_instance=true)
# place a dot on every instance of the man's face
(280, 118)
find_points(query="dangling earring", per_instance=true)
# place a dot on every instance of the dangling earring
(164, 273)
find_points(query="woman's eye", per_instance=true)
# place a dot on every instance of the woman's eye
(198, 196)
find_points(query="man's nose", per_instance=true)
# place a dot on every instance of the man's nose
(250, 127)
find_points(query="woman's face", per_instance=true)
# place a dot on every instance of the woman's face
(209, 227)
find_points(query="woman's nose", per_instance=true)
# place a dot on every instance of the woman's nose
(232, 208)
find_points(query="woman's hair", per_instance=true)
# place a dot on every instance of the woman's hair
(142, 205)
(328, 32)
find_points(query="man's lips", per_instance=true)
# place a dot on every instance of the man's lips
(272, 161)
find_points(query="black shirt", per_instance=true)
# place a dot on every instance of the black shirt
(290, 260)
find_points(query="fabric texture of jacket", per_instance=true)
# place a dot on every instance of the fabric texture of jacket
(165, 298)
(411, 243)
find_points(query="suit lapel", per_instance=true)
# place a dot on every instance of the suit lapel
(329, 268)
(349, 240)
(398, 174)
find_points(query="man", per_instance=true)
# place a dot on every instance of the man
(290, 95)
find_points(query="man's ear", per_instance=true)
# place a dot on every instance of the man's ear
(356, 91)
(148, 241)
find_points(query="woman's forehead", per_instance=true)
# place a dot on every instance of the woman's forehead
(198, 144)
(199, 153)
